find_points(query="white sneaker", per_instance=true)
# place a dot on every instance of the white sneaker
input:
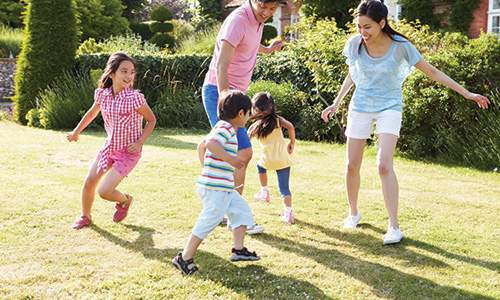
(393, 236)
(287, 216)
(255, 229)
(262, 195)
(352, 221)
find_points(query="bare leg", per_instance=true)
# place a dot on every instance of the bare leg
(287, 200)
(239, 237)
(89, 187)
(239, 174)
(263, 179)
(390, 187)
(107, 190)
(354, 158)
(191, 246)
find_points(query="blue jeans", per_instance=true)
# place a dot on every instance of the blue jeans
(210, 96)
(283, 180)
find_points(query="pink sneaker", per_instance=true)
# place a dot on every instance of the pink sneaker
(81, 222)
(122, 210)
(263, 195)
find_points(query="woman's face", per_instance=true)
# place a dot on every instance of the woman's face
(368, 28)
(124, 76)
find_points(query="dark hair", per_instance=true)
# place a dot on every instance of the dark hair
(268, 121)
(112, 66)
(377, 11)
(230, 104)
(271, 1)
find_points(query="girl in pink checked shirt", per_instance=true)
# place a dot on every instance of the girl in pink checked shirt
(123, 110)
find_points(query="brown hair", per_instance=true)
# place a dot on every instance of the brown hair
(112, 66)
(230, 104)
(268, 121)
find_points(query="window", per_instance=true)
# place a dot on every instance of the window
(494, 17)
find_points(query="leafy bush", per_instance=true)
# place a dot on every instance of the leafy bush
(201, 42)
(269, 32)
(180, 106)
(132, 44)
(100, 19)
(48, 23)
(160, 27)
(10, 41)
(182, 30)
(33, 117)
(142, 29)
(64, 103)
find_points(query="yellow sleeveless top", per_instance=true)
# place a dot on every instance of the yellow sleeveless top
(274, 155)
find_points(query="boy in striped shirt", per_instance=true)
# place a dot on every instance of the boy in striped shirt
(218, 155)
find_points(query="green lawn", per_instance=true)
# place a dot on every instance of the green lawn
(450, 217)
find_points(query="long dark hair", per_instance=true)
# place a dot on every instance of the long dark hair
(112, 66)
(268, 121)
(377, 11)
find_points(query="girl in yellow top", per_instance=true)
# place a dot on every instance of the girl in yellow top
(276, 153)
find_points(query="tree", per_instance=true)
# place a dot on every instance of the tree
(340, 10)
(133, 9)
(213, 9)
(48, 49)
(10, 13)
(100, 19)
(179, 9)
(160, 27)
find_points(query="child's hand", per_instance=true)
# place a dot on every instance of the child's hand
(72, 136)
(236, 162)
(481, 100)
(134, 148)
(290, 147)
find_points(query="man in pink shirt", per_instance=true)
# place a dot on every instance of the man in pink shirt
(233, 61)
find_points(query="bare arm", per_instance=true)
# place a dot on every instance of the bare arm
(84, 122)
(291, 133)
(150, 118)
(225, 57)
(438, 76)
(344, 89)
(201, 152)
(275, 46)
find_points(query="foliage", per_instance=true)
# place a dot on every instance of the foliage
(339, 10)
(11, 13)
(131, 44)
(48, 23)
(10, 41)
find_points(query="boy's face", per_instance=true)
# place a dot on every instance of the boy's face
(242, 118)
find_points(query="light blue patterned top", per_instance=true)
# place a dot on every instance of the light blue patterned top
(379, 80)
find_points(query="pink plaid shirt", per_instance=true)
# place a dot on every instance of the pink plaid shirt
(122, 121)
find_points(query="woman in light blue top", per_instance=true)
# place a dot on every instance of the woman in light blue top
(379, 60)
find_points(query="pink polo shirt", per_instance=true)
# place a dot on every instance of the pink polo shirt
(243, 32)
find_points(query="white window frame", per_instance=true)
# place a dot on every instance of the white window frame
(491, 14)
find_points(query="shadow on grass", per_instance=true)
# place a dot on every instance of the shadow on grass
(492, 265)
(252, 280)
(385, 281)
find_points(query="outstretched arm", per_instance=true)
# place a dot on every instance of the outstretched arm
(84, 122)
(437, 75)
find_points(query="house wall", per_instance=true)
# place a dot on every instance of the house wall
(480, 21)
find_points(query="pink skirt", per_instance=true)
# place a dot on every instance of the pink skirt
(122, 161)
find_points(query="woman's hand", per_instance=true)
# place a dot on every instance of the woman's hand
(328, 112)
(481, 100)
(134, 147)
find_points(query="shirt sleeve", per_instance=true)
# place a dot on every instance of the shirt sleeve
(350, 49)
(138, 100)
(232, 31)
(220, 134)
(98, 96)
(412, 55)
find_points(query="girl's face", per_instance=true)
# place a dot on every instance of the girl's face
(124, 76)
(368, 28)
(264, 11)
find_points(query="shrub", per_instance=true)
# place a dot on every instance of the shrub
(269, 32)
(10, 41)
(100, 19)
(48, 23)
(142, 29)
(160, 27)
(180, 106)
(33, 117)
(132, 44)
(64, 103)
(182, 30)
(202, 42)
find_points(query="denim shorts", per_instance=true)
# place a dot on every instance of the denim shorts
(210, 95)
(218, 203)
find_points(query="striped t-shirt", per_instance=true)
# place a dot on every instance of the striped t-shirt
(218, 174)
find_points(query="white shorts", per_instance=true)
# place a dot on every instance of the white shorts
(359, 124)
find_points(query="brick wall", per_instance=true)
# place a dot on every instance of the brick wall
(480, 21)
